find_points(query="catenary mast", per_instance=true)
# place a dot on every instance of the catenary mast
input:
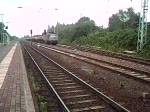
(142, 33)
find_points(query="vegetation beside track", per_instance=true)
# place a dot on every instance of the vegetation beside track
(3, 29)
(120, 35)
(39, 100)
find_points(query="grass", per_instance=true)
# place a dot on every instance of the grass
(41, 101)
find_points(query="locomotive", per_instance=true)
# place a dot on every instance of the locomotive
(51, 38)
(47, 38)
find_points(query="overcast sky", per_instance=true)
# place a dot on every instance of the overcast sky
(37, 14)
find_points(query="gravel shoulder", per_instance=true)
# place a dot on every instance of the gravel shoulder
(124, 90)
(111, 59)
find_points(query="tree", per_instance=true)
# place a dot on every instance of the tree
(2, 30)
(115, 23)
(124, 20)
(148, 32)
(85, 20)
(132, 18)
(2, 26)
(83, 27)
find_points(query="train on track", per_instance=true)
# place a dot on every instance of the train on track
(47, 38)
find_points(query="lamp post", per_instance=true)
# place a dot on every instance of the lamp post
(56, 22)
(2, 29)
(2, 16)
(8, 38)
(31, 35)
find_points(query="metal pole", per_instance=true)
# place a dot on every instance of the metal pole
(2, 29)
(31, 36)
(31, 39)
(2, 39)
(7, 39)
(56, 28)
(142, 33)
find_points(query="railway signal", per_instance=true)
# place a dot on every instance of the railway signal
(31, 32)
(44, 32)
(31, 35)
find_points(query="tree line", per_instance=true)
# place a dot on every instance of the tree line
(121, 33)
(3, 29)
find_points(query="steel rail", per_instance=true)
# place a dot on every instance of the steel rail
(106, 67)
(56, 94)
(115, 55)
(100, 94)
(124, 67)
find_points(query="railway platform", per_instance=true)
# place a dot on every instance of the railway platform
(15, 93)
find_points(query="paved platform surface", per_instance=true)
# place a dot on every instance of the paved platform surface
(15, 94)
(5, 49)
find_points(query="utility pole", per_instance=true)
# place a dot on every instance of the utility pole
(2, 29)
(8, 37)
(31, 36)
(142, 33)
(2, 17)
(56, 27)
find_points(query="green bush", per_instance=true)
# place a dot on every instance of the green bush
(120, 39)
(117, 41)
(145, 52)
(126, 39)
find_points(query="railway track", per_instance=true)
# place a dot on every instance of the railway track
(44, 93)
(129, 72)
(110, 54)
(73, 94)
